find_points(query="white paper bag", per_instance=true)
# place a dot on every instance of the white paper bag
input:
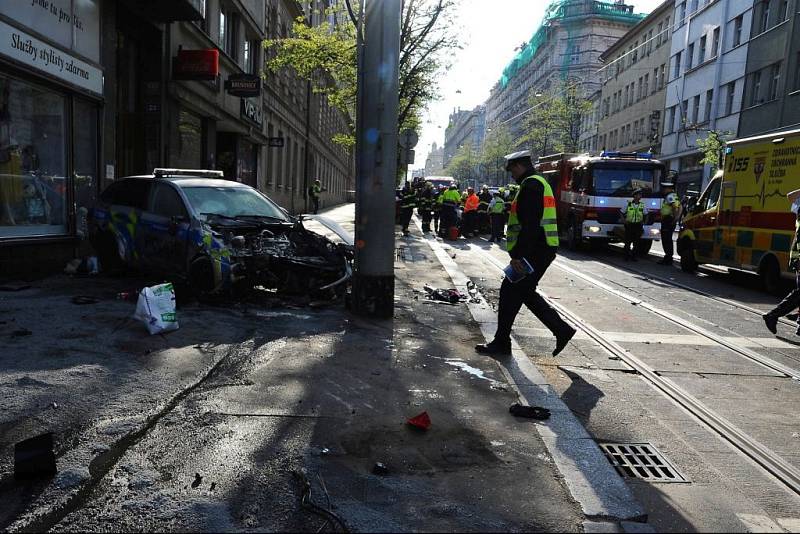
(156, 308)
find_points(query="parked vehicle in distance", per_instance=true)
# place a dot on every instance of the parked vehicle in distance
(218, 235)
(743, 219)
(591, 191)
(439, 181)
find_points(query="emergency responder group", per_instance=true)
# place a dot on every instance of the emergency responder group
(451, 213)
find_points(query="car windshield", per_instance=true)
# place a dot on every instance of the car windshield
(232, 202)
(621, 181)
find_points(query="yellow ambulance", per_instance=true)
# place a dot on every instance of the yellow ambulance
(742, 219)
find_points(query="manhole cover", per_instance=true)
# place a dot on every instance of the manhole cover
(641, 460)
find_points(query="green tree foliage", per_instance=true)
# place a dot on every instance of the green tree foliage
(712, 147)
(326, 55)
(496, 145)
(553, 122)
(462, 165)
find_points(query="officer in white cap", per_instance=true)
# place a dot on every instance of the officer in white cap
(670, 214)
(532, 238)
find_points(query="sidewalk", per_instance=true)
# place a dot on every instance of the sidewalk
(247, 398)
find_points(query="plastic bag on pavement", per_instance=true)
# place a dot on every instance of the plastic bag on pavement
(156, 308)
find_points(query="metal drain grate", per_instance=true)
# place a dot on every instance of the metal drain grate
(641, 460)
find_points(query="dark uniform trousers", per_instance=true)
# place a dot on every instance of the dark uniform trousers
(633, 234)
(449, 218)
(667, 231)
(405, 217)
(790, 303)
(498, 221)
(513, 296)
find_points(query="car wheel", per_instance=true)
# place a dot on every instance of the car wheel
(688, 261)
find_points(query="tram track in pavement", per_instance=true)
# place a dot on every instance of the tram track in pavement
(649, 277)
(772, 463)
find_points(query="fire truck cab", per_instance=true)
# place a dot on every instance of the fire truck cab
(593, 191)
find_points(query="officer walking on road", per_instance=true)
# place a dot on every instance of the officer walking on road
(670, 215)
(408, 201)
(533, 236)
(634, 225)
(792, 300)
(314, 192)
(497, 217)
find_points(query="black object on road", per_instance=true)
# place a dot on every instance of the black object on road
(83, 299)
(453, 296)
(197, 480)
(530, 412)
(380, 469)
(34, 457)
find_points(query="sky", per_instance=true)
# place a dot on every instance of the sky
(488, 36)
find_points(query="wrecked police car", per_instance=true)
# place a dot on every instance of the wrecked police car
(217, 235)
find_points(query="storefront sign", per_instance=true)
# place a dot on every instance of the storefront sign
(43, 57)
(275, 142)
(72, 25)
(244, 85)
(196, 65)
(252, 112)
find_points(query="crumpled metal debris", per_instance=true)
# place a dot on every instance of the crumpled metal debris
(451, 296)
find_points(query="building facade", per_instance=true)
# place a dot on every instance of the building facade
(466, 128)
(631, 101)
(772, 73)
(434, 163)
(706, 82)
(95, 90)
(566, 48)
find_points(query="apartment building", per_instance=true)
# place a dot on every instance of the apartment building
(465, 128)
(772, 74)
(706, 81)
(566, 47)
(631, 101)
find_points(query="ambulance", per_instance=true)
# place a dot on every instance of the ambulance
(592, 191)
(742, 218)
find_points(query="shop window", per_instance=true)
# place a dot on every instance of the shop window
(33, 162)
(84, 135)
(130, 193)
(186, 150)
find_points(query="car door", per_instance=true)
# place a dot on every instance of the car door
(165, 230)
(126, 200)
(705, 223)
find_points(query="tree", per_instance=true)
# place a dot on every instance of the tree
(553, 123)
(712, 148)
(462, 165)
(326, 55)
(497, 144)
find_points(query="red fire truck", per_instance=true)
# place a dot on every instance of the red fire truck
(592, 190)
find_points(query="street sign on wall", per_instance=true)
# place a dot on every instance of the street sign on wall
(244, 85)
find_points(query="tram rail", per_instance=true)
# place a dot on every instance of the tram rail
(771, 462)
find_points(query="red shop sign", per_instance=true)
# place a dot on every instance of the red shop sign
(196, 65)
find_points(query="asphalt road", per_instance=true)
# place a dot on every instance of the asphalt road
(724, 490)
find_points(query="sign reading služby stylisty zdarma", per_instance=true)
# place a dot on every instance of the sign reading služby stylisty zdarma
(41, 56)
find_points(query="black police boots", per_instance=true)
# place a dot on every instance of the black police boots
(494, 348)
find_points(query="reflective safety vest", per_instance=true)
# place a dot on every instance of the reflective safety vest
(794, 252)
(451, 197)
(548, 223)
(669, 205)
(408, 200)
(634, 213)
(498, 208)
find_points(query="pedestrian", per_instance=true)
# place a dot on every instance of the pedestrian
(633, 215)
(533, 236)
(792, 300)
(408, 201)
(470, 221)
(450, 200)
(315, 192)
(671, 210)
(497, 216)
(485, 197)
(425, 206)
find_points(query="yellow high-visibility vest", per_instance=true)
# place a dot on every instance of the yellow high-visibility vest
(549, 222)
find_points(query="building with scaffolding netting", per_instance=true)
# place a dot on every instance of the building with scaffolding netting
(565, 48)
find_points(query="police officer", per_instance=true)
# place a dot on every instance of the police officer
(634, 225)
(533, 236)
(436, 207)
(670, 214)
(497, 217)
(315, 192)
(408, 201)
(792, 300)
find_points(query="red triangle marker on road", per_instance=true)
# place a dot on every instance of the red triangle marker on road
(422, 421)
